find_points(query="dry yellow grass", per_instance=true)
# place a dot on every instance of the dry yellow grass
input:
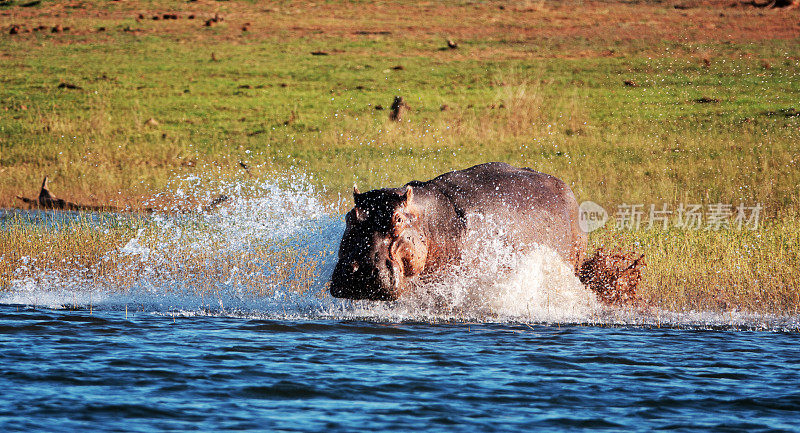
(687, 270)
(85, 256)
(707, 270)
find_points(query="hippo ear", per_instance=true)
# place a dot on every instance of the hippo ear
(408, 194)
(408, 201)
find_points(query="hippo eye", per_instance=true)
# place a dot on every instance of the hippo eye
(354, 266)
(361, 214)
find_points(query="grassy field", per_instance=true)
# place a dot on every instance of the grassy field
(629, 102)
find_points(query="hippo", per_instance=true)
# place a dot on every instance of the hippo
(396, 236)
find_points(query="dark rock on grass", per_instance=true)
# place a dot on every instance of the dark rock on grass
(319, 53)
(785, 112)
(211, 21)
(57, 29)
(47, 200)
(379, 107)
(452, 44)
(444, 107)
(218, 200)
(245, 86)
(140, 17)
(191, 17)
(291, 119)
(371, 32)
(101, 29)
(14, 30)
(398, 109)
(156, 17)
(706, 100)
(398, 68)
(774, 4)
(630, 83)
(64, 85)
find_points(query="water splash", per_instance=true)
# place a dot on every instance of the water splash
(268, 240)
(269, 249)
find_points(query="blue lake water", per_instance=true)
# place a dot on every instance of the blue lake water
(68, 370)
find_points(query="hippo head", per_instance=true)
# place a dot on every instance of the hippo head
(382, 248)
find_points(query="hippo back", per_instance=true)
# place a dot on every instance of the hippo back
(521, 206)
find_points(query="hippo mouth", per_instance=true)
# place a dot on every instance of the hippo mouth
(356, 292)
(395, 287)
(349, 287)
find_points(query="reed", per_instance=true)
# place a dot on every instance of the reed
(723, 270)
(687, 270)
(39, 253)
(85, 256)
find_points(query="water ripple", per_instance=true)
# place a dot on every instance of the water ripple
(155, 372)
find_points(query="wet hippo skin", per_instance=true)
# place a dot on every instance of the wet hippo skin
(394, 236)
